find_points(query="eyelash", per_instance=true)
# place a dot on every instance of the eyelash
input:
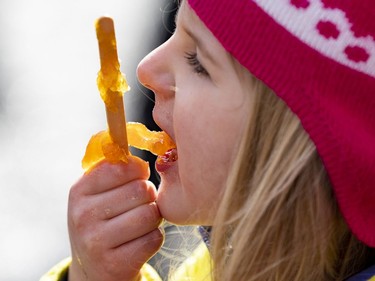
(195, 63)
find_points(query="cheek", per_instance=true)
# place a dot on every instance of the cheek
(206, 140)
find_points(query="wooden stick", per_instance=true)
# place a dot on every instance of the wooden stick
(111, 82)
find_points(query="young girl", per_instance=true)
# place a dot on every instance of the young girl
(271, 104)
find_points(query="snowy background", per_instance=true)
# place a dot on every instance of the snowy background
(49, 108)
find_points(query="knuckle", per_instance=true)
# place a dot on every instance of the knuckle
(107, 213)
(94, 242)
(137, 190)
(150, 244)
(101, 168)
(81, 218)
(151, 215)
(156, 239)
(118, 172)
(74, 193)
(151, 190)
(127, 171)
(141, 190)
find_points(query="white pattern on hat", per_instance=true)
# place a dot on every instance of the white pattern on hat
(303, 21)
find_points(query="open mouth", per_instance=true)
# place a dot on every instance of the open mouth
(170, 156)
(164, 162)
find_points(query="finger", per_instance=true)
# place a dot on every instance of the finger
(137, 252)
(122, 199)
(85, 213)
(106, 176)
(121, 263)
(131, 225)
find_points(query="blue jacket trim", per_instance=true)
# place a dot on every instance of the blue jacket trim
(364, 275)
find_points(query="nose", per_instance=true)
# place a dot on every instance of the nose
(155, 72)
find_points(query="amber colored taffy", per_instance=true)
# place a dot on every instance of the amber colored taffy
(111, 82)
(112, 144)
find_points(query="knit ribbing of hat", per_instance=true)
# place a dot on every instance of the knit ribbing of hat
(325, 26)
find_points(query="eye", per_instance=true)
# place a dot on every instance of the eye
(192, 60)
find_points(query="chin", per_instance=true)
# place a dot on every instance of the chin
(176, 211)
(170, 207)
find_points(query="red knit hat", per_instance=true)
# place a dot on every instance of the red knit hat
(319, 57)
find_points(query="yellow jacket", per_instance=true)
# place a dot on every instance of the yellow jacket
(195, 268)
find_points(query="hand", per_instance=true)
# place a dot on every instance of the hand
(113, 222)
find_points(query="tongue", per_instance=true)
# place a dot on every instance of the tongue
(170, 156)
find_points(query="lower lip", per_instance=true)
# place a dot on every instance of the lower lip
(165, 162)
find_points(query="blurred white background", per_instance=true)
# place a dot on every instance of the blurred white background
(49, 108)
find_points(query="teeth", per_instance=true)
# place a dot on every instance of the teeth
(170, 156)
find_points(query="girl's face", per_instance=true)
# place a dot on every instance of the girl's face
(202, 100)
